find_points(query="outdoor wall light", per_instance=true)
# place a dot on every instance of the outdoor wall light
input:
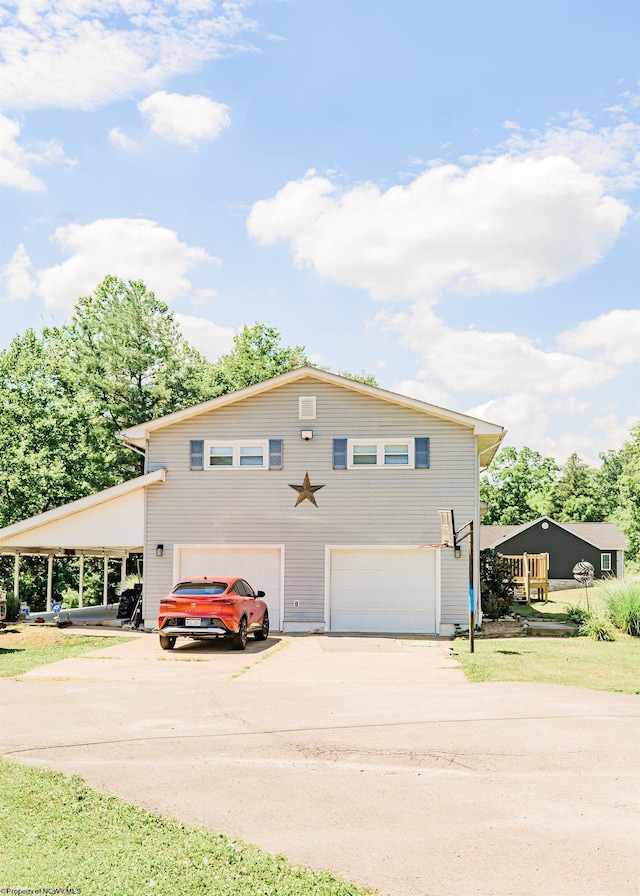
(457, 552)
(159, 550)
(306, 434)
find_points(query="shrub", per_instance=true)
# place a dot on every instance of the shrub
(597, 628)
(621, 598)
(70, 599)
(13, 608)
(496, 584)
(577, 615)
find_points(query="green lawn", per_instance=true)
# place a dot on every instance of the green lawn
(579, 661)
(57, 833)
(559, 602)
(23, 647)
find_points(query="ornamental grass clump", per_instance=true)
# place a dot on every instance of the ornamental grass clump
(621, 597)
(597, 627)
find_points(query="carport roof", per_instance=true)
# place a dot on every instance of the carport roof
(109, 522)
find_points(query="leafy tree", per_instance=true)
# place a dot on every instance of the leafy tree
(626, 514)
(363, 377)
(127, 349)
(53, 447)
(514, 486)
(256, 356)
(575, 496)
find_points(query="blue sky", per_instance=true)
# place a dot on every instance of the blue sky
(444, 194)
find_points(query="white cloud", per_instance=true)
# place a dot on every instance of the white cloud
(209, 338)
(81, 54)
(118, 138)
(507, 224)
(616, 334)
(472, 360)
(133, 249)
(428, 392)
(16, 276)
(611, 151)
(524, 416)
(16, 161)
(202, 296)
(184, 119)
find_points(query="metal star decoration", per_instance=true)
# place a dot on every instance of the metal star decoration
(306, 491)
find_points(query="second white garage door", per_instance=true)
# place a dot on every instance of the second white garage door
(382, 590)
(260, 565)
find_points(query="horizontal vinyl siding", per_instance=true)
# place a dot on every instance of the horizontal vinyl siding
(363, 506)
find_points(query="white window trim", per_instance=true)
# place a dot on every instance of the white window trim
(380, 445)
(236, 445)
(604, 568)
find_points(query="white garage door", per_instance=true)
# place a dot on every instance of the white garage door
(260, 565)
(382, 590)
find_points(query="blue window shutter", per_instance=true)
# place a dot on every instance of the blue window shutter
(422, 452)
(197, 454)
(339, 454)
(275, 454)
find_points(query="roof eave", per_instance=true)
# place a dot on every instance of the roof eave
(136, 436)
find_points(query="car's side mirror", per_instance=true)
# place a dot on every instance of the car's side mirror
(259, 593)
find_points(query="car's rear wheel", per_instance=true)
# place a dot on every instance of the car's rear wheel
(167, 642)
(240, 640)
(263, 634)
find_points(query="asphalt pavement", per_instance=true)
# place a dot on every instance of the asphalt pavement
(370, 757)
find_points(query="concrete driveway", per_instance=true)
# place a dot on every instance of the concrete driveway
(369, 757)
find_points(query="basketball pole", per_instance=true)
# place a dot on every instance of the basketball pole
(449, 538)
(457, 540)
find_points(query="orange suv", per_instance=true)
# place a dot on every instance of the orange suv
(213, 607)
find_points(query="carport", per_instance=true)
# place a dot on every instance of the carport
(109, 524)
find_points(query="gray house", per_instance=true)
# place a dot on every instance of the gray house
(322, 492)
(600, 544)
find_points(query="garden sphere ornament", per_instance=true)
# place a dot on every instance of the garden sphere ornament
(584, 572)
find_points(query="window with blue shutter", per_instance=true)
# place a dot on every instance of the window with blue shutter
(422, 452)
(275, 454)
(339, 454)
(196, 454)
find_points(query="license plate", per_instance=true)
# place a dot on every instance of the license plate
(193, 622)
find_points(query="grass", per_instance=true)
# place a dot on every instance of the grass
(58, 833)
(622, 601)
(559, 603)
(24, 647)
(580, 661)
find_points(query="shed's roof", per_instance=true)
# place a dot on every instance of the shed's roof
(604, 536)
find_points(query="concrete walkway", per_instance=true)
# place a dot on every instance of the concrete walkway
(368, 757)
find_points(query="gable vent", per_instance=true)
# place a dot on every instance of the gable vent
(307, 407)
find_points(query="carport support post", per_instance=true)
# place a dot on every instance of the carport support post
(123, 574)
(81, 582)
(105, 582)
(471, 589)
(16, 577)
(49, 581)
